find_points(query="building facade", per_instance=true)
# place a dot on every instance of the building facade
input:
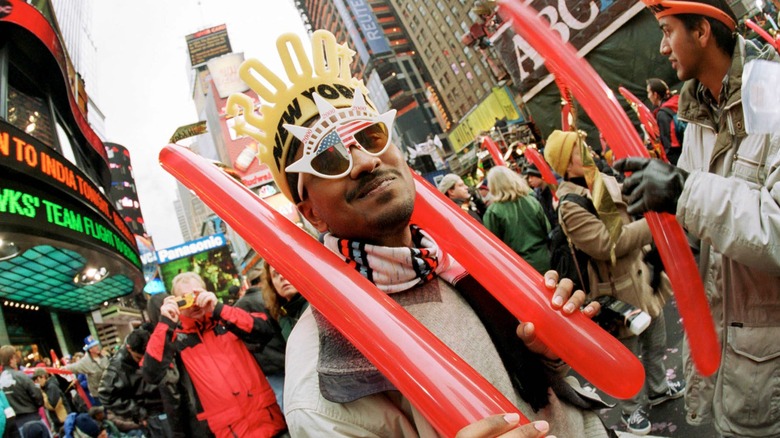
(65, 250)
(387, 61)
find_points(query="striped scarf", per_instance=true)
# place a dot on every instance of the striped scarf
(397, 269)
(344, 373)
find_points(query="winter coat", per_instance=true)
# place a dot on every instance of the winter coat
(124, 392)
(523, 226)
(389, 414)
(54, 399)
(628, 279)
(270, 356)
(233, 392)
(666, 125)
(291, 312)
(731, 202)
(22, 394)
(91, 368)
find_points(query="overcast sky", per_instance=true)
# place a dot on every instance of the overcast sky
(143, 80)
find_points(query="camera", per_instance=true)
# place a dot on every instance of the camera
(187, 300)
(615, 313)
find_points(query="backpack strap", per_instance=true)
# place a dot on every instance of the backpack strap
(587, 204)
(673, 132)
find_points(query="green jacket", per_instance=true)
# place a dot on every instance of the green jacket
(524, 227)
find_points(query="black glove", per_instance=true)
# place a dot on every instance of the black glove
(654, 185)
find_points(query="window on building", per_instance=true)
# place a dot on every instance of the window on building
(477, 71)
(440, 5)
(415, 81)
(28, 108)
(67, 146)
(423, 11)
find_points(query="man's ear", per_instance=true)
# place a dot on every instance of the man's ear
(308, 211)
(703, 32)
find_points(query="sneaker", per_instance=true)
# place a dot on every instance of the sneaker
(637, 423)
(676, 390)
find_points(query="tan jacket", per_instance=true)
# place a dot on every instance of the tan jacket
(629, 278)
(389, 414)
(731, 201)
(92, 368)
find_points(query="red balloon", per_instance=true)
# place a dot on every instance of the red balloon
(495, 152)
(646, 118)
(774, 42)
(598, 356)
(52, 370)
(600, 103)
(448, 392)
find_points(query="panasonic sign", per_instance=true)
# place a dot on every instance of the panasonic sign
(191, 247)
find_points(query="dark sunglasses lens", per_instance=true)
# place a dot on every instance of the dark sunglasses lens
(334, 157)
(373, 138)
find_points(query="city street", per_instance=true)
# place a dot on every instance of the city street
(668, 419)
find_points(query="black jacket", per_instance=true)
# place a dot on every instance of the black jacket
(271, 357)
(123, 390)
(21, 392)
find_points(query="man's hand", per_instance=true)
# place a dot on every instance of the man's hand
(562, 299)
(170, 309)
(505, 426)
(206, 300)
(654, 185)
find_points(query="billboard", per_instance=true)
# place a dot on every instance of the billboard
(369, 27)
(357, 41)
(241, 150)
(224, 73)
(209, 257)
(584, 25)
(208, 43)
(62, 201)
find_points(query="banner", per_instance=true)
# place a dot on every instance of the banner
(187, 131)
(582, 24)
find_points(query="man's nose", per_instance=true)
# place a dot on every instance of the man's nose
(362, 162)
(665, 49)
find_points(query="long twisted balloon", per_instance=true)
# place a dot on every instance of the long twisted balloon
(600, 103)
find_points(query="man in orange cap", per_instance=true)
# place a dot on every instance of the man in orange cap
(726, 192)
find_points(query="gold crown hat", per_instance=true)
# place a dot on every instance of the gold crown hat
(327, 77)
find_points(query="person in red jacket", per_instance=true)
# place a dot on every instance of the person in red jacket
(665, 110)
(234, 396)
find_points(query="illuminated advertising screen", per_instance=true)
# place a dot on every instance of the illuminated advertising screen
(208, 43)
(209, 257)
(75, 210)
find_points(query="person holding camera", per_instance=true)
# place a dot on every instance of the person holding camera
(616, 268)
(207, 337)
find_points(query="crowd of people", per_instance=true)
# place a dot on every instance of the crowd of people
(267, 364)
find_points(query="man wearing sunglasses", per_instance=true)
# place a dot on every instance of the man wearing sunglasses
(331, 152)
(726, 192)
